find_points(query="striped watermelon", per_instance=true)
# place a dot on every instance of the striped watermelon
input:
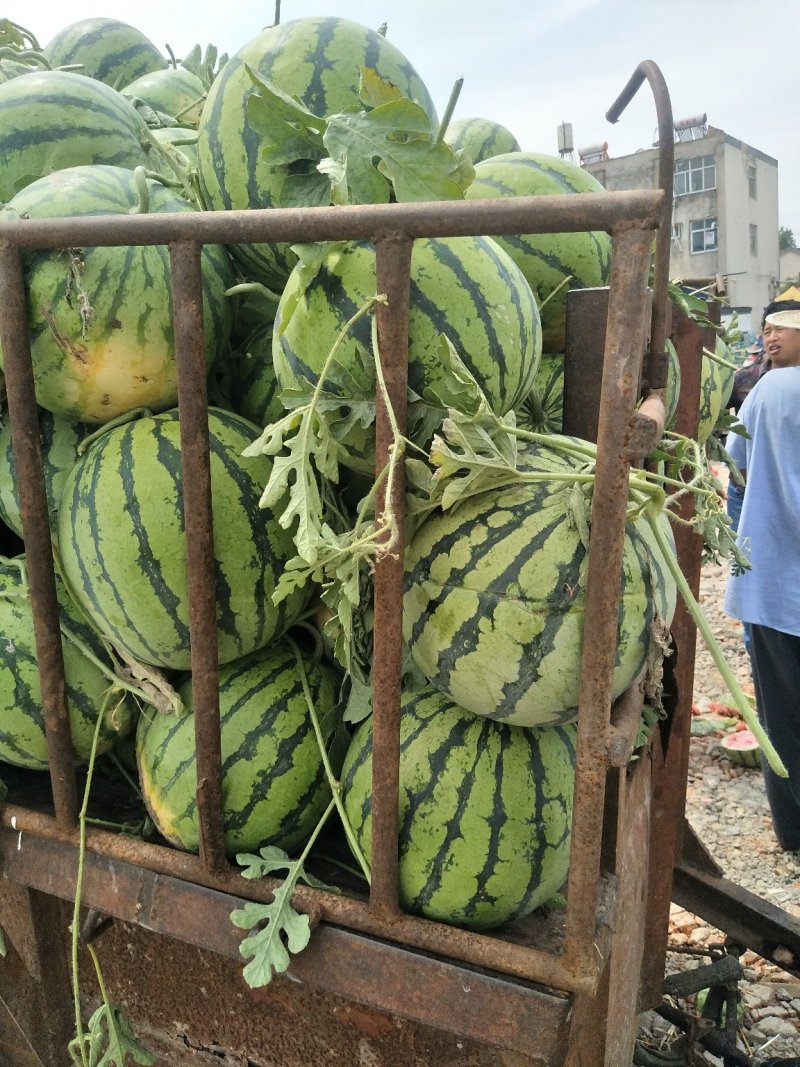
(495, 593)
(485, 811)
(106, 49)
(121, 536)
(52, 119)
(547, 259)
(174, 91)
(480, 138)
(274, 783)
(317, 60)
(464, 287)
(672, 393)
(94, 364)
(716, 383)
(254, 388)
(22, 736)
(544, 409)
(59, 439)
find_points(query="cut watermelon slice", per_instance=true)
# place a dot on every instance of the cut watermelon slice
(742, 748)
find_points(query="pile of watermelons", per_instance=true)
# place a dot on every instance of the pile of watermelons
(100, 122)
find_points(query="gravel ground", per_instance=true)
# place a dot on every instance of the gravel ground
(727, 808)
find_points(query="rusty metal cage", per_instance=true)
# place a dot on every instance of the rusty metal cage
(552, 990)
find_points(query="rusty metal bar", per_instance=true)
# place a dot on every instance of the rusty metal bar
(671, 751)
(624, 347)
(393, 252)
(187, 305)
(569, 213)
(394, 978)
(24, 859)
(656, 366)
(24, 420)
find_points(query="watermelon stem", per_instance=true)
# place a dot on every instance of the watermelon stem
(142, 207)
(333, 781)
(455, 92)
(554, 292)
(253, 287)
(739, 698)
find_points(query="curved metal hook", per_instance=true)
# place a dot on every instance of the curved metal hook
(656, 370)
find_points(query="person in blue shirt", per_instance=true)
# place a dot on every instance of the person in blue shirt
(768, 595)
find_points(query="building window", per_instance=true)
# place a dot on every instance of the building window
(753, 240)
(677, 231)
(694, 175)
(704, 235)
(751, 180)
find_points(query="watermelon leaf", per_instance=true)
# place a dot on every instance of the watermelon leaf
(410, 163)
(373, 90)
(282, 929)
(291, 132)
(110, 1040)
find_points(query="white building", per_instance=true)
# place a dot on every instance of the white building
(724, 216)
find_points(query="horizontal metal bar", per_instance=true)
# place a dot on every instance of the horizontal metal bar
(523, 214)
(437, 992)
(25, 829)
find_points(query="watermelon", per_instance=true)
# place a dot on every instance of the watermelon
(274, 783)
(544, 409)
(480, 138)
(485, 811)
(716, 383)
(672, 393)
(106, 49)
(52, 119)
(175, 92)
(22, 735)
(319, 61)
(742, 748)
(121, 536)
(59, 439)
(495, 592)
(548, 260)
(464, 287)
(254, 388)
(102, 337)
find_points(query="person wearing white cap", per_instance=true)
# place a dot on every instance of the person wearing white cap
(768, 595)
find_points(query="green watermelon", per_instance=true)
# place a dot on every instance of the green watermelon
(495, 591)
(22, 735)
(102, 337)
(480, 138)
(59, 439)
(485, 811)
(106, 49)
(51, 119)
(549, 388)
(672, 393)
(174, 92)
(254, 388)
(319, 61)
(548, 260)
(716, 383)
(121, 536)
(464, 287)
(274, 783)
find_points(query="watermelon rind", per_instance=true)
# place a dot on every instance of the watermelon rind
(23, 741)
(318, 60)
(122, 540)
(485, 811)
(480, 138)
(106, 50)
(101, 321)
(466, 288)
(274, 783)
(553, 263)
(53, 119)
(742, 748)
(495, 593)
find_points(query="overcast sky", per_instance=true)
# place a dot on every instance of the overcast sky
(532, 65)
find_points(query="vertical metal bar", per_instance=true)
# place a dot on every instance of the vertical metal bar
(393, 274)
(625, 339)
(24, 421)
(671, 750)
(187, 304)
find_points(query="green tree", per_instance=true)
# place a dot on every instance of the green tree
(785, 238)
